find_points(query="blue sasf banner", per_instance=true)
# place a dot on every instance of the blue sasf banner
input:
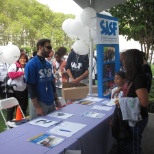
(108, 59)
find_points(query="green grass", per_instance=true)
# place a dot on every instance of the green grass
(2, 124)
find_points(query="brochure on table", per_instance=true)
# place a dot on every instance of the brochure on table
(43, 122)
(91, 114)
(89, 100)
(66, 128)
(46, 140)
(61, 115)
(108, 59)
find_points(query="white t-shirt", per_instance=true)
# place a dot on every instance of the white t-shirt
(19, 82)
(119, 95)
(3, 71)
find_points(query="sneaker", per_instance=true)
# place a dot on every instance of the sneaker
(11, 124)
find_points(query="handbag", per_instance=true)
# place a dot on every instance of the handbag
(119, 127)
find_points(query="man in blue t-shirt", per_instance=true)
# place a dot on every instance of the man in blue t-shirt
(40, 81)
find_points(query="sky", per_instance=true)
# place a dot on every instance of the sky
(70, 7)
(63, 6)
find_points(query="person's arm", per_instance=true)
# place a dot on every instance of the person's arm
(33, 95)
(54, 68)
(70, 75)
(142, 94)
(56, 99)
(13, 73)
(83, 76)
(38, 108)
(140, 83)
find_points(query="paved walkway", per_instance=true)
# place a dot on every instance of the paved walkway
(148, 138)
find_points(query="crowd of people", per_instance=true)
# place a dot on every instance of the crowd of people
(42, 76)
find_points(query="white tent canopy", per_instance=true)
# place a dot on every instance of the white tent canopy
(98, 5)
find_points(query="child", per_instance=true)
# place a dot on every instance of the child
(59, 72)
(119, 80)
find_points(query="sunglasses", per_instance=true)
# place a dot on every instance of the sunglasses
(48, 47)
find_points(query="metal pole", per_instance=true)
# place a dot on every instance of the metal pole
(90, 63)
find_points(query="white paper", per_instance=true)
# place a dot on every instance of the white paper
(61, 115)
(111, 103)
(94, 99)
(43, 122)
(66, 128)
(90, 114)
(99, 107)
(104, 102)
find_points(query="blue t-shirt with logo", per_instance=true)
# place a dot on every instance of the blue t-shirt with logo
(39, 73)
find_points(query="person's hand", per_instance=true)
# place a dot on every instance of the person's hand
(72, 79)
(116, 92)
(64, 73)
(39, 111)
(58, 104)
(117, 102)
(77, 80)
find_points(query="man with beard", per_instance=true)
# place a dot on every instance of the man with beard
(40, 82)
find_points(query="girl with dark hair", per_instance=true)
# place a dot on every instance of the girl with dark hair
(17, 80)
(135, 86)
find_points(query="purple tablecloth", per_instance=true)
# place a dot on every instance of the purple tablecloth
(95, 138)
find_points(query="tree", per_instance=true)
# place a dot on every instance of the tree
(24, 22)
(136, 21)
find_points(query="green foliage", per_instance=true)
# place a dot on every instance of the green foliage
(24, 22)
(136, 21)
(151, 96)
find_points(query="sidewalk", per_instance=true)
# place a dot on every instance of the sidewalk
(148, 136)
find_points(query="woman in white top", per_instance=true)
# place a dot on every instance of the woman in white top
(18, 84)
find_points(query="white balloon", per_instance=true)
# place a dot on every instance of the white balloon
(76, 27)
(72, 36)
(80, 47)
(77, 17)
(66, 25)
(85, 35)
(11, 54)
(88, 17)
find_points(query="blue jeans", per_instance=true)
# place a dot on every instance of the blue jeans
(133, 145)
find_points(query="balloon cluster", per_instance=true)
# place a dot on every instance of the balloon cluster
(9, 54)
(82, 29)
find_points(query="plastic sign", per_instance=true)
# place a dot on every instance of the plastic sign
(108, 27)
(107, 30)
